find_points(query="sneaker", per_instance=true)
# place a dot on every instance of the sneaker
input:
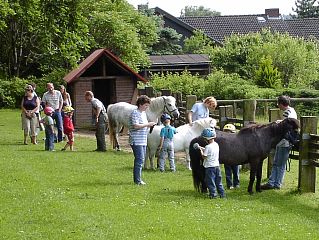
(63, 149)
(266, 186)
(236, 186)
(141, 183)
(230, 188)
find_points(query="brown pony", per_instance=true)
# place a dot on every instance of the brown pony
(251, 145)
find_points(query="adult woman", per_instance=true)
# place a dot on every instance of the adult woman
(138, 127)
(29, 106)
(201, 109)
(66, 96)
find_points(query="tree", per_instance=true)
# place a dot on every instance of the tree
(168, 41)
(296, 59)
(306, 8)
(198, 11)
(197, 43)
(116, 25)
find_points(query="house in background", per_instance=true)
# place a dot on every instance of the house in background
(193, 63)
(217, 28)
(110, 79)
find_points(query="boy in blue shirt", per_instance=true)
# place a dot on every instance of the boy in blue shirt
(167, 144)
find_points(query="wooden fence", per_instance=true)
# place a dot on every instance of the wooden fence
(307, 154)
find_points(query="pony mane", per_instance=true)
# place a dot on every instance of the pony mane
(252, 128)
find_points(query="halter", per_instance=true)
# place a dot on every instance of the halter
(166, 108)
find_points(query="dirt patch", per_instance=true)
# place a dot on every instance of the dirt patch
(125, 146)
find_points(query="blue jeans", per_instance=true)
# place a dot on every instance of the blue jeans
(59, 124)
(232, 175)
(279, 166)
(213, 179)
(139, 152)
(49, 139)
(168, 147)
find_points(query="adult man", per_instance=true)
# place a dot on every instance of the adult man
(100, 120)
(53, 98)
(282, 149)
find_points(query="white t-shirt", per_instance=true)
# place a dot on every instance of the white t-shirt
(288, 113)
(211, 153)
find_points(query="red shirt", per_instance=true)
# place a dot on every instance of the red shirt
(67, 124)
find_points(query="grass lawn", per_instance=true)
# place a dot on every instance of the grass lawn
(90, 195)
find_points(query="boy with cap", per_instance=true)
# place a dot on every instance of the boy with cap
(213, 175)
(167, 144)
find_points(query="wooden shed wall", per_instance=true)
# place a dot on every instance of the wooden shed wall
(125, 87)
(83, 109)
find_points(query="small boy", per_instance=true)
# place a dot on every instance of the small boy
(167, 144)
(231, 172)
(68, 127)
(210, 153)
(49, 128)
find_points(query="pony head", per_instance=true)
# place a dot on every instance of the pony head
(170, 106)
(205, 123)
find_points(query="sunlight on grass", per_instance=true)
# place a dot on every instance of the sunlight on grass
(90, 195)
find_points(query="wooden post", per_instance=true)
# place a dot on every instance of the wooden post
(166, 92)
(224, 112)
(274, 114)
(234, 109)
(149, 91)
(249, 111)
(248, 116)
(190, 101)
(307, 172)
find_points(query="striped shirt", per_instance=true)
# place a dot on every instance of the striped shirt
(290, 113)
(138, 136)
(53, 99)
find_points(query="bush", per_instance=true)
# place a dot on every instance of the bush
(11, 92)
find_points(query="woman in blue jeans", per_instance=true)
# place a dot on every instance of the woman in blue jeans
(138, 130)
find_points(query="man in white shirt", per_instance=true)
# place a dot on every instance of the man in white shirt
(282, 149)
(53, 98)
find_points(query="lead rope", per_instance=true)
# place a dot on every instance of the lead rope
(288, 165)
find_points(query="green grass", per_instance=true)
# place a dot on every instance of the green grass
(89, 195)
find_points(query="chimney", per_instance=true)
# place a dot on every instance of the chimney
(272, 13)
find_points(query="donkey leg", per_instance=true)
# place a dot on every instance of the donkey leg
(252, 178)
(259, 175)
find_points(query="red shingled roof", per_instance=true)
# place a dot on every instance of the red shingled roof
(90, 60)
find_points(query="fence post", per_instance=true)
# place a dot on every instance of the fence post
(166, 92)
(274, 114)
(190, 101)
(249, 111)
(307, 172)
(149, 91)
(224, 112)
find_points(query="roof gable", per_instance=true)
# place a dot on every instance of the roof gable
(94, 57)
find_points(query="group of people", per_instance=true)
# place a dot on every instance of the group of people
(57, 107)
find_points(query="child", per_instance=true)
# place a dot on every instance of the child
(167, 144)
(68, 127)
(231, 172)
(49, 128)
(210, 153)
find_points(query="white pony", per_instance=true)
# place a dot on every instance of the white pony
(182, 138)
(119, 114)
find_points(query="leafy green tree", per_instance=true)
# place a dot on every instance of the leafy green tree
(295, 58)
(197, 43)
(306, 8)
(267, 75)
(198, 11)
(116, 25)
